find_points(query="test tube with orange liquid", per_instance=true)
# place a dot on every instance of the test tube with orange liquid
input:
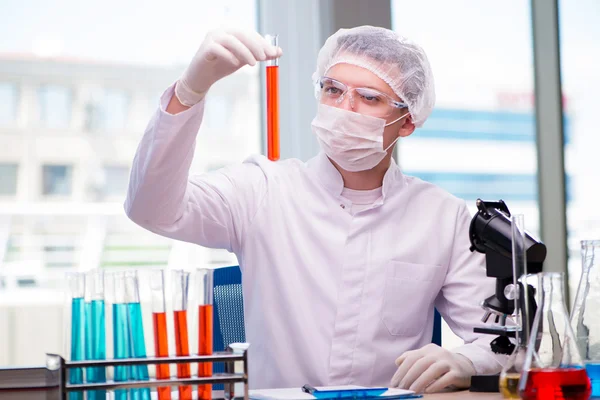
(205, 327)
(273, 103)
(159, 323)
(182, 344)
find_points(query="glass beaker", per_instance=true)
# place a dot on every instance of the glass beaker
(553, 367)
(585, 318)
(511, 373)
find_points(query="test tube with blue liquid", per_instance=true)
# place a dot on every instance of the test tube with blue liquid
(95, 330)
(76, 282)
(121, 333)
(136, 326)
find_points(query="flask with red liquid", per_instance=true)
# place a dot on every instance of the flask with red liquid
(553, 367)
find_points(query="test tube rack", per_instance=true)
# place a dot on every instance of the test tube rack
(55, 363)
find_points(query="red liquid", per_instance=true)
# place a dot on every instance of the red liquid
(182, 348)
(161, 349)
(205, 347)
(273, 112)
(557, 384)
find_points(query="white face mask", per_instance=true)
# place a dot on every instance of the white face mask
(354, 141)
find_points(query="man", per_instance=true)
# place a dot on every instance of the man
(343, 257)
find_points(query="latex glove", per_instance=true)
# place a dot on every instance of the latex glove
(431, 369)
(221, 54)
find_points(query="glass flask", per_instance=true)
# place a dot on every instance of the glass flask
(585, 318)
(553, 366)
(509, 377)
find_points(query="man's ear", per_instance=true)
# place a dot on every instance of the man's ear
(407, 128)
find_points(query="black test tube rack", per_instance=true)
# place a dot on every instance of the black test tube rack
(59, 367)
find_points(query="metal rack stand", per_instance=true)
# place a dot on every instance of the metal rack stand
(57, 364)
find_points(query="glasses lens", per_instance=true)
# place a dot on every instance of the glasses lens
(372, 102)
(331, 88)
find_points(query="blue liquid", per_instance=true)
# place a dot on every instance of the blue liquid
(140, 372)
(593, 371)
(122, 347)
(77, 345)
(95, 345)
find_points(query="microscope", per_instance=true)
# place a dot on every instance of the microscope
(490, 233)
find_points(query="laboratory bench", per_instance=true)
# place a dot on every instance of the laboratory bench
(462, 394)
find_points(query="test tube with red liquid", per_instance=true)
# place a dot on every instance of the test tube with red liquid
(182, 344)
(159, 324)
(273, 103)
(205, 327)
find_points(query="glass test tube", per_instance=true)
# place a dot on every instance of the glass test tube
(136, 326)
(205, 327)
(76, 282)
(159, 324)
(273, 103)
(519, 259)
(182, 344)
(95, 330)
(511, 372)
(121, 333)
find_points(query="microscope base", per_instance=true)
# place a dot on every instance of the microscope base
(485, 383)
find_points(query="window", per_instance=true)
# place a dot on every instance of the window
(107, 110)
(57, 180)
(8, 102)
(55, 106)
(8, 179)
(83, 174)
(479, 141)
(580, 57)
(116, 180)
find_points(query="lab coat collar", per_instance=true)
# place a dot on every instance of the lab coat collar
(333, 182)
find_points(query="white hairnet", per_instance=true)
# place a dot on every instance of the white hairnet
(399, 62)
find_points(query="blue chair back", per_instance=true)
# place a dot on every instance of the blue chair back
(228, 303)
(437, 328)
(229, 311)
(228, 314)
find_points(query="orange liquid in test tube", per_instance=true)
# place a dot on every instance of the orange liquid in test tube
(205, 282)
(205, 347)
(159, 325)
(273, 105)
(182, 348)
(161, 349)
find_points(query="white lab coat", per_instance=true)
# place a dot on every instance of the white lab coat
(330, 298)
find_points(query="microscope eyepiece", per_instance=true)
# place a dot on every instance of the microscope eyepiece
(491, 230)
